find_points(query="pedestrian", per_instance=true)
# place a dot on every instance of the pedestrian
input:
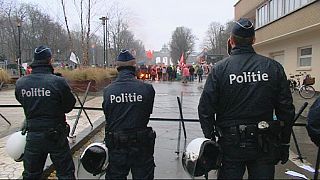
(200, 73)
(159, 73)
(191, 72)
(164, 73)
(127, 105)
(45, 99)
(153, 73)
(313, 126)
(29, 70)
(239, 98)
(170, 73)
(185, 74)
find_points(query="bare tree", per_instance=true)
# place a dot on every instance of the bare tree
(67, 25)
(118, 30)
(86, 49)
(212, 37)
(216, 38)
(39, 28)
(182, 42)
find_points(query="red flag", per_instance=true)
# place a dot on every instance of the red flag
(149, 54)
(181, 62)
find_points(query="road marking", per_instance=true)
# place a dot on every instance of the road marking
(296, 174)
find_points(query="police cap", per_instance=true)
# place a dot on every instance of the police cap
(42, 55)
(125, 58)
(243, 28)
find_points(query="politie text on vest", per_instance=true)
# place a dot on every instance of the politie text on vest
(247, 77)
(126, 97)
(35, 92)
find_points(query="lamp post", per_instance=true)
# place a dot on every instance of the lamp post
(19, 47)
(93, 59)
(105, 52)
(220, 30)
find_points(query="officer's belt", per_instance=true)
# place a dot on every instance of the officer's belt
(231, 123)
(274, 127)
(46, 128)
(129, 136)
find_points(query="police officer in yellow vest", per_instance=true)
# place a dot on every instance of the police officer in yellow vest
(127, 105)
(240, 96)
(45, 99)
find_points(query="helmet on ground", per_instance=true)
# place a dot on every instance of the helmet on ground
(15, 146)
(94, 158)
(201, 156)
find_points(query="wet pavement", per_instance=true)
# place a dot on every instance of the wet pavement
(166, 106)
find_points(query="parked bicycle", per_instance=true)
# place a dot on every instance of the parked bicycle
(305, 88)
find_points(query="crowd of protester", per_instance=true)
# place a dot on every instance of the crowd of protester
(184, 73)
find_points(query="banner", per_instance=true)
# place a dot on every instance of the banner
(149, 55)
(181, 62)
(73, 58)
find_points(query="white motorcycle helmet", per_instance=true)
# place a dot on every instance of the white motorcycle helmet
(201, 156)
(94, 158)
(15, 146)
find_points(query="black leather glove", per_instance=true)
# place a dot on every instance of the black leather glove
(24, 127)
(284, 153)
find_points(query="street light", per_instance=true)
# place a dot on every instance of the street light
(220, 30)
(105, 48)
(93, 59)
(19, 47)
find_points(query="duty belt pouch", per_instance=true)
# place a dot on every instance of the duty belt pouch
(248, 136)
(268, 138)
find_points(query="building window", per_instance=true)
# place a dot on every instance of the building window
(263, 15)
(274, 9)
(304, 56)
(289, 5)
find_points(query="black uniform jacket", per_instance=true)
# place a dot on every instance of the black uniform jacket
(127, 102)
(45, 98)
(313, 125)
(246, 88)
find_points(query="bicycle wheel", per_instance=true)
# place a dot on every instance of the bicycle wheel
(307, 92)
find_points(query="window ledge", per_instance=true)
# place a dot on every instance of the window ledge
(304, 68)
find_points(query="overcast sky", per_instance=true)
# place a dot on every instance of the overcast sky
(153, 21)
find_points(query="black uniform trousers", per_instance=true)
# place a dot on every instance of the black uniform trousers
(256, 169)
(36, 152)
(239, 154)
(137, 158)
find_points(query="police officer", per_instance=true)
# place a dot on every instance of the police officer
(238, 101)
(45, 98)
(313, 126)
(127, 105)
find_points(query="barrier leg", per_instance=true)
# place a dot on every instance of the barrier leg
(297, 147)
(85, 112)
(316, 172)
(5, 119)
(179, 137)
(80, 110)
(293, 134)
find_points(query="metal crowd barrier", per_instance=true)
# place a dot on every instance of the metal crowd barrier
(181, 120)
